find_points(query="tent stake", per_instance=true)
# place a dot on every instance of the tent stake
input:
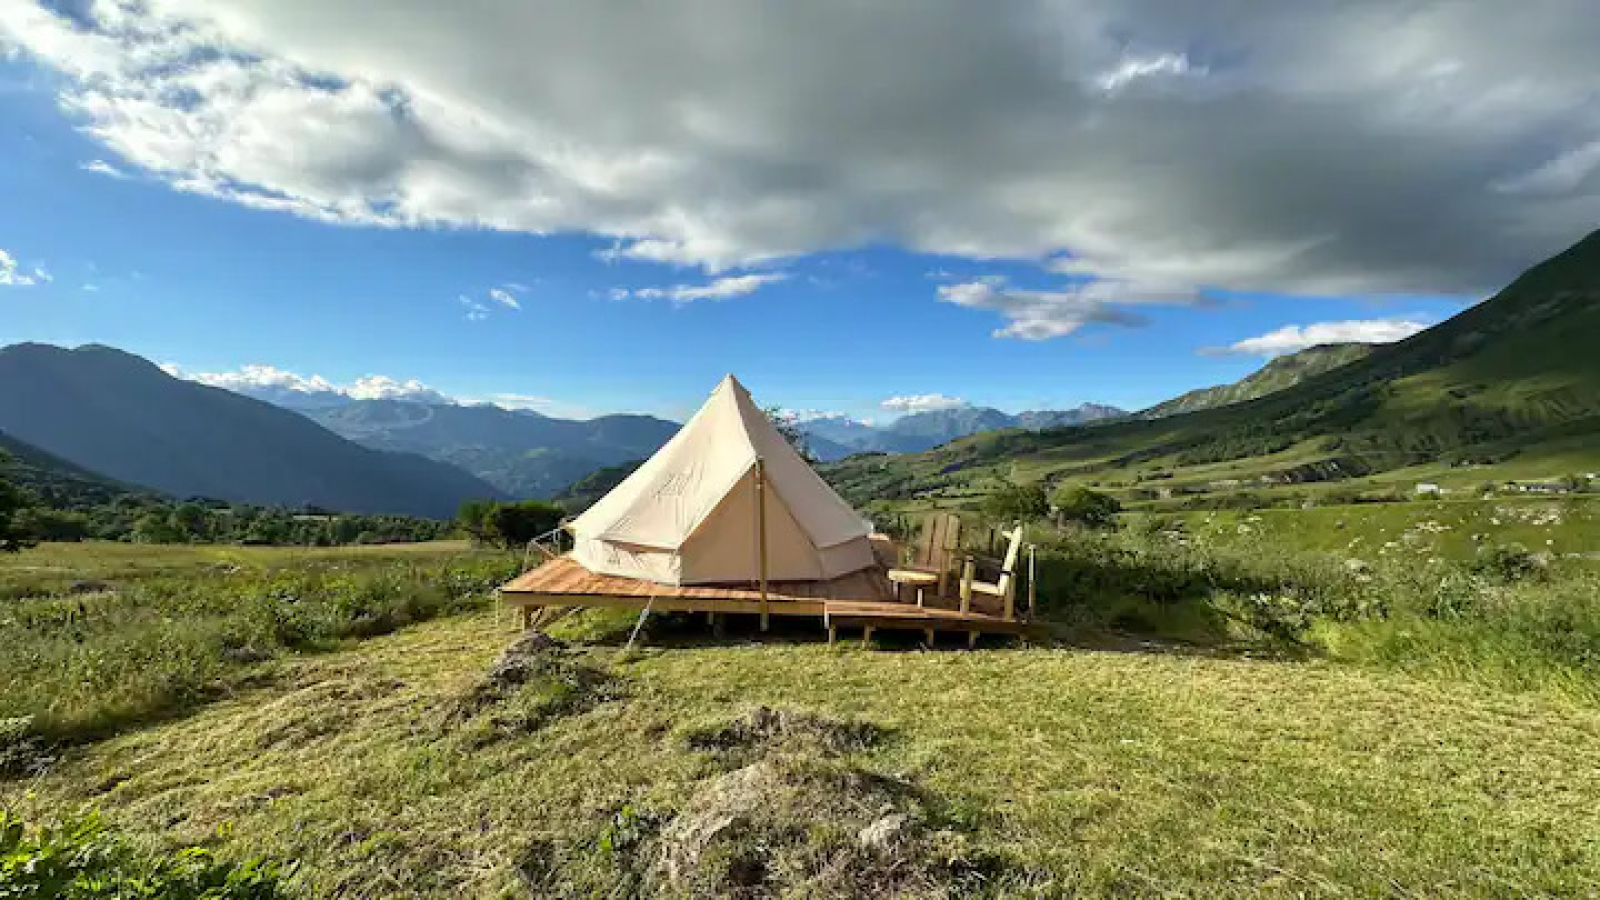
(643, 614)
(761, 534)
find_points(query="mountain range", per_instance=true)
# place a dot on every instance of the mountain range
(522, 453)
(119, 416)
(1512, 378)
(832, 438)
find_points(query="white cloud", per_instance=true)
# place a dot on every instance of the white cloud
(520, 401)
(1134, 68)
(272, 383)
(1037, 315)
(476, 311)
(811, 415)
(1294, 338)
(915, 403)
(13, 275)
(504, 298)
(1437, 147)
(720, 289)
(101, 167)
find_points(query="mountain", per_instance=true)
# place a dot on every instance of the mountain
(833, 438)
(119, 415)
(919, 431)
(586, 491)
(1088, 413)
(1514, 377)
(1280, 373)
(54, 481)
(523, 453)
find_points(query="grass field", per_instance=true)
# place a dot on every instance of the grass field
(1455, 528)
(95, 637)
(1176, 748)
(1037, 773)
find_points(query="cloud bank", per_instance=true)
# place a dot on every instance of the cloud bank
(289, 388)
(1361, 147)
(916, 403)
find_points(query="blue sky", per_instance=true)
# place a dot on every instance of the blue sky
(838, 300)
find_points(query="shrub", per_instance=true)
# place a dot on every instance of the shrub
(1075, 503)
(1017, 501)
(79, 859)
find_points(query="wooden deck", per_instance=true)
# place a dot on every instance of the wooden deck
(862, 599)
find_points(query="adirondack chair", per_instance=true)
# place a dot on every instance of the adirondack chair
(1004, 589)
(933, 557)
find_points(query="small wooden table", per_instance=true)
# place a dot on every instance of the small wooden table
(921, 578)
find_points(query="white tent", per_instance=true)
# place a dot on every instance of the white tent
(692, 514)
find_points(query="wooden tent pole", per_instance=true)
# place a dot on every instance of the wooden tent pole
(761, 534)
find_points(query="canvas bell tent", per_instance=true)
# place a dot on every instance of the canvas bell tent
(726, 500)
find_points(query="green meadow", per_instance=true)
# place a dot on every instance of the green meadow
(1211, 715)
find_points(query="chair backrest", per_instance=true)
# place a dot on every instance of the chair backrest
(941, 537)
(1008, 568)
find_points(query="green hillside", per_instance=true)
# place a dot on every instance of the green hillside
(53, 480)
(1507, 388)
(1281, 373)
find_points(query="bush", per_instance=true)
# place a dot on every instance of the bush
(1014, 502)
(1075, 503)
(12, 535)
(79, 859)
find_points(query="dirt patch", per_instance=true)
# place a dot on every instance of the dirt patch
(788, 826)
(536, 679)
(23, 753)
(764, 729)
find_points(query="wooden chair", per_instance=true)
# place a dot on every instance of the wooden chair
(1005, 587)
(933, 558)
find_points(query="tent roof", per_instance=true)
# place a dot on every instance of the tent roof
(665, 500)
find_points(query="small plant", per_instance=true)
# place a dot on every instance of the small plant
(1509, 563)
(78, 859)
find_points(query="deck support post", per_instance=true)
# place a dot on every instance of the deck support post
(833, 635)
(972, 640)
(866, 637)
(761, 535)
(927, 637)
(1033, 593)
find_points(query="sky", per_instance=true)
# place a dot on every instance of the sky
(865, 209)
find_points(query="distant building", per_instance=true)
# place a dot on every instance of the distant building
(1430, 489)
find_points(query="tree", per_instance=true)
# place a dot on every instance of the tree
(13, 536)
(155, 527)
(1075, 503)
(46, 524)
(515, 524)
(474, 518)
(1016, 502)
(788, 426)
(191, 521)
